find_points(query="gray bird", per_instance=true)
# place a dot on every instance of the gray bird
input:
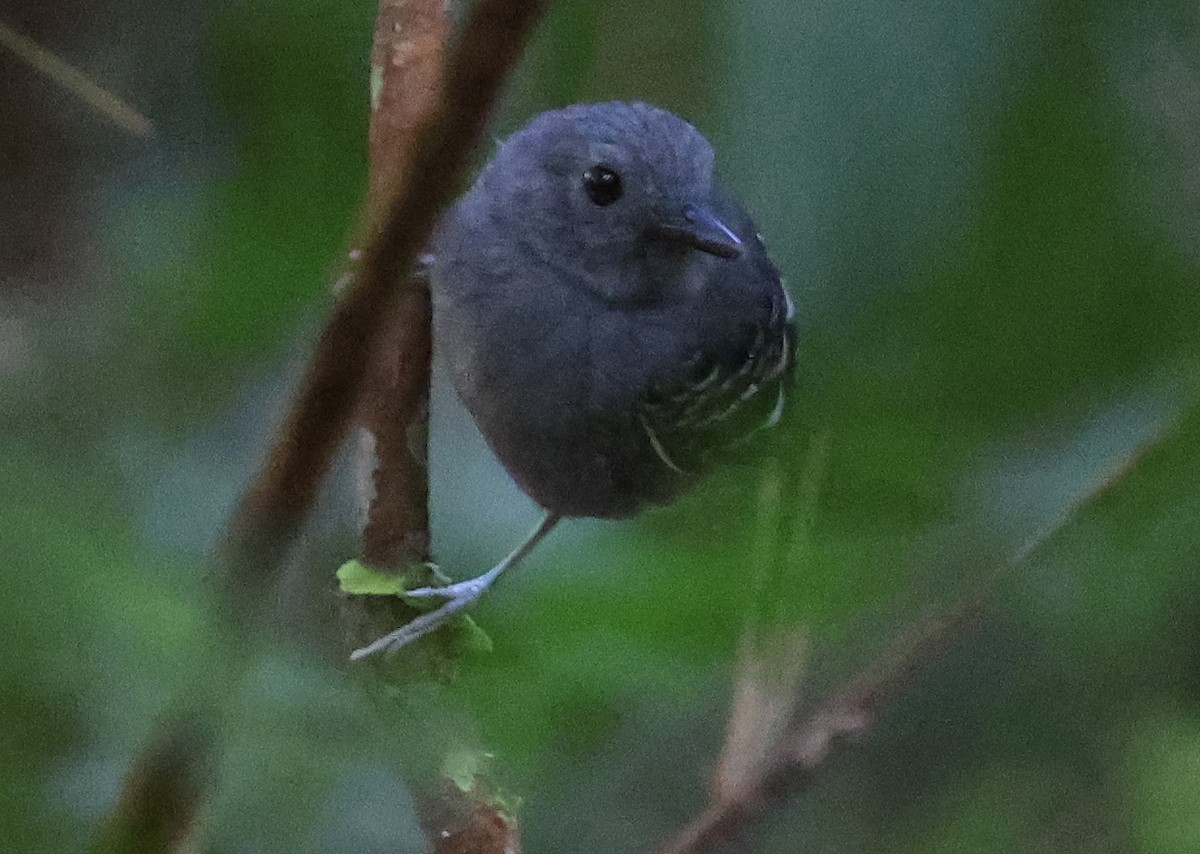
(611, 319)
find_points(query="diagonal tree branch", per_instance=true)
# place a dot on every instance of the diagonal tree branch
(162, 793)
(108, 104)
(278, 501)
(401, 213)
(795, 759)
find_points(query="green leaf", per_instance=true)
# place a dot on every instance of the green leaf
(462, 766)
(471, 637)
(356, 578)
(359, 579)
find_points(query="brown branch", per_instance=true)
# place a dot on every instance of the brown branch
(470, 821)
(407, 70)
(272, 510)
(795, 759)
(406, 81)
(402, 212)
(161, 794)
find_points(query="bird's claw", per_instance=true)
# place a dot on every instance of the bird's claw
(464, 589)
(420, 626)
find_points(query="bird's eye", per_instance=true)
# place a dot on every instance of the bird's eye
(603, 185)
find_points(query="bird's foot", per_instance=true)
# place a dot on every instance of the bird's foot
(472, 587)
(458, 597)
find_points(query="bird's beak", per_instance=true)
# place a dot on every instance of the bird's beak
(696, 227)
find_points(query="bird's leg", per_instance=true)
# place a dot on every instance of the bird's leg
(458, 596)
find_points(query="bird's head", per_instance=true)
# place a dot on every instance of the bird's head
(619, 197)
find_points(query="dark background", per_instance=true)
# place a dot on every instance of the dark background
(989, 216)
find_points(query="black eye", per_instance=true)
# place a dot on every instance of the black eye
(603, 185)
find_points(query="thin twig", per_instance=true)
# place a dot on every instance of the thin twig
(113, 107)
(773, 652)
(798, 757)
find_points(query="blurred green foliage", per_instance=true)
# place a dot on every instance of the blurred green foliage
(986, 213)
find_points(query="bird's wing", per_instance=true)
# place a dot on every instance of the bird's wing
(728, 393)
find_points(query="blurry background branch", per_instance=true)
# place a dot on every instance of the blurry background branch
(113, 107)
(421, 149)
(786, 750)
